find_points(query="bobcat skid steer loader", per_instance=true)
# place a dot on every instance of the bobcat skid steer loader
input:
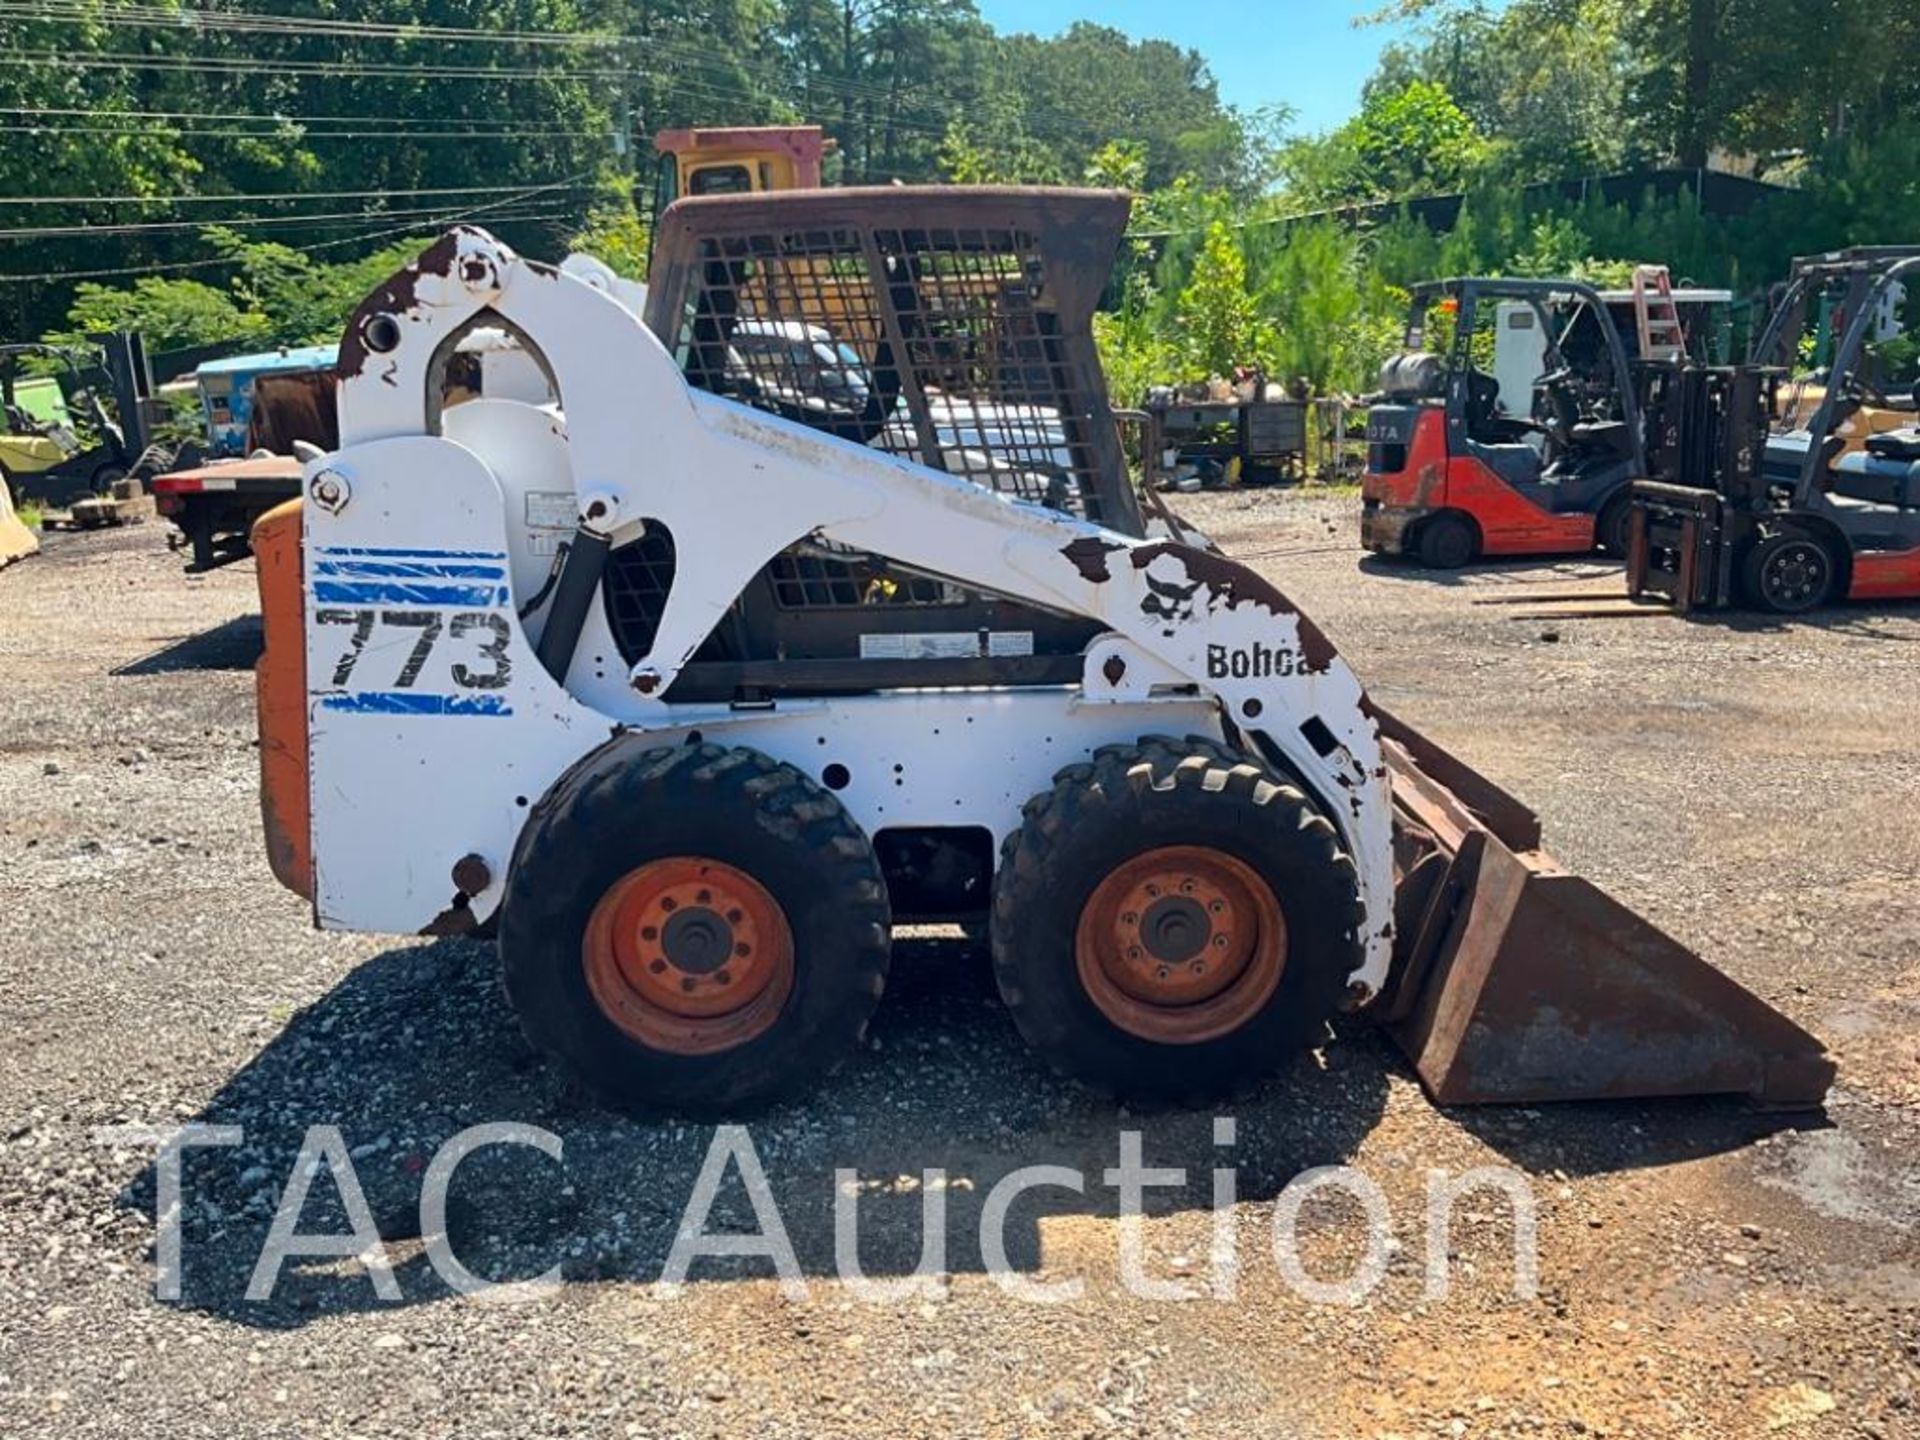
(548, 667)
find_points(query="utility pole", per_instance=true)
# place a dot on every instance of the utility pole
(846, 75)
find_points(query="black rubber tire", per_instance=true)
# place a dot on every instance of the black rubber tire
(1132, 798)
(1613, 530)
(1789, 574)
(1447, 541)
(627, 804)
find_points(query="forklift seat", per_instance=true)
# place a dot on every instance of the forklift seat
(1879, 478)
(1895, 444)
(1614, 435)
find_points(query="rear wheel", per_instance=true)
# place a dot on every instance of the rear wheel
(1789, 574)
(1171, 922)
(694, 929)
(1447, 541)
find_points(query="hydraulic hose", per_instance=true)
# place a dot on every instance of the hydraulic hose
(573, 592)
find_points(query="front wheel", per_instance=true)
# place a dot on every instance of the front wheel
(1613, 531)
(1171, 922)
(1789, 574)
(693, 929)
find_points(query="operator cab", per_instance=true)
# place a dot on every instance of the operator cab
(1466, 459)
(738, 160)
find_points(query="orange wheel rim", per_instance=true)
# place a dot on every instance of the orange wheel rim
(1181, 944)
(689, 955)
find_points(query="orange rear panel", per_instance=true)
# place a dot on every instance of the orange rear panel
(1890, 575)
(280, 687)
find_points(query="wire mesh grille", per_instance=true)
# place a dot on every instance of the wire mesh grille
(932, 344)
(805, 581)
(950, 327)
(635, 587)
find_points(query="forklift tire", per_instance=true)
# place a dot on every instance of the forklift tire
(1613, 531)
(1172, 923)
(693, 929)
(1788, 573)
(1447, 541)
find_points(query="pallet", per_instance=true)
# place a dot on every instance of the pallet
(100, 513)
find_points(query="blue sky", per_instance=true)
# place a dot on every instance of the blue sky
(1305, 54)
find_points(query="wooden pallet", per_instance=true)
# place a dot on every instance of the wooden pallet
(100, 513)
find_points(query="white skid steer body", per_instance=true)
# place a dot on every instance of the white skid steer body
(434, 729)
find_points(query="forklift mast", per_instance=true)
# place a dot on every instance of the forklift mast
(1868, 284)
(1692, 522)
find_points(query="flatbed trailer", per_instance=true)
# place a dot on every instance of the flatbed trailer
(215, 506)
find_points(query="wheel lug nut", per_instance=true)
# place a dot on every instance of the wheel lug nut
(1133, 952)
(1220, 942)
(723, 977)
(735, 916)
(704, 896)
(1165, 972)
(1216, 907)
(1129, 918)
(667, 902)
(688, 983)
(649, 932)
(743, 950)
(658, 967)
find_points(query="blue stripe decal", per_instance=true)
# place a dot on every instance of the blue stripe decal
(371, 592)
(379, 552)
(407, 570)
(410, 702)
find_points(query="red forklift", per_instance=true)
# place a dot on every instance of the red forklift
(1787, 520)
(1457, 468)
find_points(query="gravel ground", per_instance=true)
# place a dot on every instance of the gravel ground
(1702, 1270)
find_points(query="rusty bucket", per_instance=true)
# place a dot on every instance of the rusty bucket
(1517, 982)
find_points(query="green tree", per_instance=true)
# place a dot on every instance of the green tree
(1415, 140)
(170, 314)
(1219, 326)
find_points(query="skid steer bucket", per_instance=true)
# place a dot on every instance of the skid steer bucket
(1517, 982)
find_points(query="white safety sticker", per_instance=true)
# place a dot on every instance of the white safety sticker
(552, 510)
(945, 645)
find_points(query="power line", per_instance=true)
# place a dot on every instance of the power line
(185, 18)
(279, 132)
(304, 26)
(229, 199)
(694, 52)
(244, 222)
(420, 227)
(504, 127)
(934, 124)
(249, 65)
(494, 210)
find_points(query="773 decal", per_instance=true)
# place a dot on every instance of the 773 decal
(413, 657)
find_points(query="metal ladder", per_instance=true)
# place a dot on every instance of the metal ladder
(1657, 318)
